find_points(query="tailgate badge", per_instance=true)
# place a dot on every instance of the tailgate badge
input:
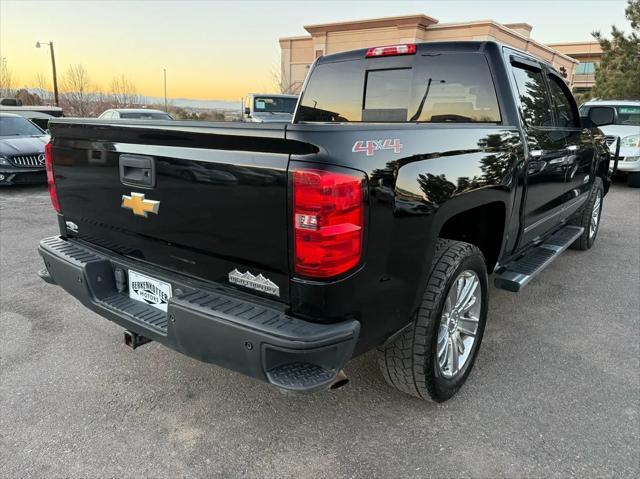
(259, 283)
(139, 205)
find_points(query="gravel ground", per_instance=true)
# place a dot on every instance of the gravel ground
(554, 393)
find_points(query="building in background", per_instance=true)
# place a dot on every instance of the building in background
(298, 53)
(589, 55)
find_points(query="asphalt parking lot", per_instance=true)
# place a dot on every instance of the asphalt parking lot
(555, 391)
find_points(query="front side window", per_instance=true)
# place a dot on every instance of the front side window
(534, 101)
(562, 105)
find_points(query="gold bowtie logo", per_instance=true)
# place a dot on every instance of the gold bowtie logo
(139, 205)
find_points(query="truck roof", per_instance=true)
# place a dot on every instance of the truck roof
(40, 108)
(612, 103)
(278, 95)
(450, 46)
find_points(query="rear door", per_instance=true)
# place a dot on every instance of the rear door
(546, 163)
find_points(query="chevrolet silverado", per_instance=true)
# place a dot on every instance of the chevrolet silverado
(409, 174)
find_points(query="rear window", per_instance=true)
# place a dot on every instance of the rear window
(436, 88)
(146, 116)
(274, 104)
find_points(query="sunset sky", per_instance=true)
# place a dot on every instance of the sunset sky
(222, 50)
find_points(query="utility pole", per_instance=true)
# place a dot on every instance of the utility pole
(165, 89)
(53, 66)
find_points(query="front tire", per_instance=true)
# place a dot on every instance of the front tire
(589, 217)
(432, 358)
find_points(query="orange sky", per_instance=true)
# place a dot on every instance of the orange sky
(223, 50)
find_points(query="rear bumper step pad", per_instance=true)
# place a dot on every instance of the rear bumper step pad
(215, 325)
(515, 275)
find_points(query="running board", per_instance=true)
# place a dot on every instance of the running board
(515, 275)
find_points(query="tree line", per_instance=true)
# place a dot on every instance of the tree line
(81, 97)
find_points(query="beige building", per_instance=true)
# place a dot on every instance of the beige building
(298, 53)
(589, 55)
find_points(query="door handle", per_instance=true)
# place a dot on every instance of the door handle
(137, 170)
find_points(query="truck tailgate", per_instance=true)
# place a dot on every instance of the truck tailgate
(221, 193)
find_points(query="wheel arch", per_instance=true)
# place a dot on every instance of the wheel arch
(483, 226)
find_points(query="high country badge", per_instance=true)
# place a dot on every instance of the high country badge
(259, 283)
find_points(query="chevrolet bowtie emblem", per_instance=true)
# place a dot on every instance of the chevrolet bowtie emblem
(139, 205)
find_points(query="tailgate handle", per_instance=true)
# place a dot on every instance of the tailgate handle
(137, 170)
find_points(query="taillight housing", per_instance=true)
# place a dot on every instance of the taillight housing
(51, 181)
(392, 50)
(328, 221)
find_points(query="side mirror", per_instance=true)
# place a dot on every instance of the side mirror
(602, 115)
(247, 110)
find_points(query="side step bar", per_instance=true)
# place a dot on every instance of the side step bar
(515, 275)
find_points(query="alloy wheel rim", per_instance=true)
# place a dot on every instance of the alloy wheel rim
(595, 216)
(459, 324)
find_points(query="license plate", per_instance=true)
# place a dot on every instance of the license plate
(149, 290)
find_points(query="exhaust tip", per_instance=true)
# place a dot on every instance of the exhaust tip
(340, 380)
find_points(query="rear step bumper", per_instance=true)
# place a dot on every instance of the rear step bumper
(213, 324)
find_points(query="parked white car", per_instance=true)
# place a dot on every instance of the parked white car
(627, 127)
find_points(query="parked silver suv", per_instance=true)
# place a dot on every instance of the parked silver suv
(626, 126)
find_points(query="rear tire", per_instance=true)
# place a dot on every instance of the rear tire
(413, 361)
(591, 213)
(633, 180)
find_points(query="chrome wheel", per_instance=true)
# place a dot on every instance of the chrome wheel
(595, 215)
(459, 323)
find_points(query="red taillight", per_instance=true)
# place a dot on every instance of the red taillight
(51, 181)
(391, 50)
(328, 222)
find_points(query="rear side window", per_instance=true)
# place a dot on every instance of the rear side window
(534, 100)
(435, 88)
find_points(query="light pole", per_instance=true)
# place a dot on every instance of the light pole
(53, 65)
(165, 89)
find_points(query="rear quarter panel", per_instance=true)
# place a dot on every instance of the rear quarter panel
(440, 170)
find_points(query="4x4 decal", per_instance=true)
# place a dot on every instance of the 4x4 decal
(371, 146)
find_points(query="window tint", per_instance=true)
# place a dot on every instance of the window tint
(387, 95)
(533, 97)
(562, 104)
(454, 88)
(439, 88)
(333, 93)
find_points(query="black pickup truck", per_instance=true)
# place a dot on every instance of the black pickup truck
(408, 175)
